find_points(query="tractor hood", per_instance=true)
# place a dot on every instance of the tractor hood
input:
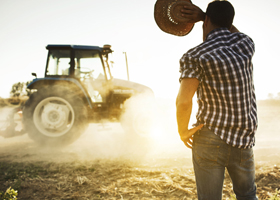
(126, 86)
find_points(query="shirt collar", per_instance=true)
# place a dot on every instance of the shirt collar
(216, 32)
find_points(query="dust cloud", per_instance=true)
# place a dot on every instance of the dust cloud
(162, 146)
(113, 140)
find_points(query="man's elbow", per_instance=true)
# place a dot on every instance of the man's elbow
(183, 104)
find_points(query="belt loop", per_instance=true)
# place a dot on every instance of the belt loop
(198, 132)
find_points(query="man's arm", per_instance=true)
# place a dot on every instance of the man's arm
(186, 92)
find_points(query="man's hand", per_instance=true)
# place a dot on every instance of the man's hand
(192, 13)
(187, 138)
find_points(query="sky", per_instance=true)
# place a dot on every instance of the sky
(28, 26)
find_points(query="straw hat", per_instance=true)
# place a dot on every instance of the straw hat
(169, 19)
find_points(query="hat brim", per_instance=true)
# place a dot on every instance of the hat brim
(166, 18)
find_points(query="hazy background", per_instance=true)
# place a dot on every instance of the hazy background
(27, 26)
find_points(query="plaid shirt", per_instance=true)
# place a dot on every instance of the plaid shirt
(226, 94)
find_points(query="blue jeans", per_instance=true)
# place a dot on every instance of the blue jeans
(211, 156)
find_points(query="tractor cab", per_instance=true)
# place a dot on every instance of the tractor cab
(88, 64)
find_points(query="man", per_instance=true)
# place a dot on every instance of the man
(220, 71)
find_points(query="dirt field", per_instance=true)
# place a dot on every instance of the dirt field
(102, 164)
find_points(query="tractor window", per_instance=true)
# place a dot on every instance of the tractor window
(88, 63)
(58, 62)
(107, 68)
(89, 69)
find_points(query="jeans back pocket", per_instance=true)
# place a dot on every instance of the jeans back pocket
(206, 155)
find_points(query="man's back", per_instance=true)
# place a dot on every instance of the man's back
(226, 98)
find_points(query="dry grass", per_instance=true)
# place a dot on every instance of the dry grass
(114, 179)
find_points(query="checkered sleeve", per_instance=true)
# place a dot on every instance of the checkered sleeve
(190, 67)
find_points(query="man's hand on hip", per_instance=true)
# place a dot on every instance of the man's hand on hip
(187, 137)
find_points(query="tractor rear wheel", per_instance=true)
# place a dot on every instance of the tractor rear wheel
(54, 116)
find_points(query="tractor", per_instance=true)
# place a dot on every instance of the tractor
(77, 89)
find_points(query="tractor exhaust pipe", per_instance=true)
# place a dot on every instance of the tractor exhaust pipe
(126, 65)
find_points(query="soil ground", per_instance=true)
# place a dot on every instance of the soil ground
(103, 164)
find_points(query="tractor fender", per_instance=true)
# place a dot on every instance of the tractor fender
(42, 82)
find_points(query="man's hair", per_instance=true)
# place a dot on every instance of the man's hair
(221, 13)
